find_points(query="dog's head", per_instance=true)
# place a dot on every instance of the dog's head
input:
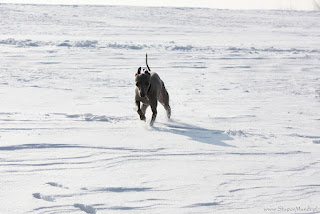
(143, 82)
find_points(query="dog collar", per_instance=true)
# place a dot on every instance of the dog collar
(149, 89)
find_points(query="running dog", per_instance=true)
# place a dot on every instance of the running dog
(149, 90)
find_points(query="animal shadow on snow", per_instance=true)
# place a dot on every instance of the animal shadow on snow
(202, 135)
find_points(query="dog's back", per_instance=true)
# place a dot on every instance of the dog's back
(156, 85)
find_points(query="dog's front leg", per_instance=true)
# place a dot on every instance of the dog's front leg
(154, 111)
(141, 114)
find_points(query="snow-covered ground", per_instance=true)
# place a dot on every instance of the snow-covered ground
(225, 4)
(245, 96)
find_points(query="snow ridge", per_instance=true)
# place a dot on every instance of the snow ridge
(171, 46)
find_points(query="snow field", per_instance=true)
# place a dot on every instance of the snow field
(244, 91)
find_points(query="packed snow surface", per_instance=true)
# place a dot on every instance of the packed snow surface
(244, 91)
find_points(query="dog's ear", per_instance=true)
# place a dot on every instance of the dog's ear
(139, 71)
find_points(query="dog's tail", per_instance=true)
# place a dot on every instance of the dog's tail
(147, 62)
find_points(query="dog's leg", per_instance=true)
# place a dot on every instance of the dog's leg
(141, 114)
(164, 100)
(144, 108)
(153, 105)
(168, 110)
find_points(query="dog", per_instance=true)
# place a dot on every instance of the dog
(149, 90)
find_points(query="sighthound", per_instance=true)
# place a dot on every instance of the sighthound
(149, 90)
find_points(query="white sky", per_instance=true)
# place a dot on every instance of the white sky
(223, 4)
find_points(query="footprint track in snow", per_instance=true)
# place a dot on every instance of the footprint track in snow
(86, 208)
(48, 197)
(44, 197)
(54, 184)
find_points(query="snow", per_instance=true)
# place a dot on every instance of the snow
(86, 208)
(244, 92)
(226, 4)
